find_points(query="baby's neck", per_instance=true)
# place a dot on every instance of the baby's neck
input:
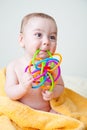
(27, 58)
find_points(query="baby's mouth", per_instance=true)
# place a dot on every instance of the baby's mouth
(43, 50)
(43, 53)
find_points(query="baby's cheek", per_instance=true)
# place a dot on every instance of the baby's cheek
(52, 50)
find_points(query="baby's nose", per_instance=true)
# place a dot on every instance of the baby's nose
(46, 42)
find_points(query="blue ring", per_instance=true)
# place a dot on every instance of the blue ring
(45, 77)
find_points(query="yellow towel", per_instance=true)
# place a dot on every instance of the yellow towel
(17, 116)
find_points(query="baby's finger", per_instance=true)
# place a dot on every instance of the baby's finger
(48, 93)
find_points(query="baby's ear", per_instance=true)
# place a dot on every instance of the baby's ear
(21, 40)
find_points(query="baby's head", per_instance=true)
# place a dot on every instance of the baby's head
(38, 31)
(26, 19)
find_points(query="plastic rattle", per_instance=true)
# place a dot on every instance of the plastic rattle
(44, 70)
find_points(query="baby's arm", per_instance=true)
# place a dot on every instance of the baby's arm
(13, 88)
(58, 89)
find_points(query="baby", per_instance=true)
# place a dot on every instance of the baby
(38, 31)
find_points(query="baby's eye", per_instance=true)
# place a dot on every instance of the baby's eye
(38, 35)
(52, 37)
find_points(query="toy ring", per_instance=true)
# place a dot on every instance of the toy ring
(43, 69)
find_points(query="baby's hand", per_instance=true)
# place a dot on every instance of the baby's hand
(47, 95)
(26, 81)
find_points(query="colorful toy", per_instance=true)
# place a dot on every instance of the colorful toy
(43, 70)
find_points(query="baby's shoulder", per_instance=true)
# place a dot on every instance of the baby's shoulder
(14, 63)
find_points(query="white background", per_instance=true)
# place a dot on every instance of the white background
(71, 18)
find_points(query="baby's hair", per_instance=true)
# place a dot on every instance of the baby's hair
(32, 15)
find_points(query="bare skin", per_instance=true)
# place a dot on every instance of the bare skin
(18, 83)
